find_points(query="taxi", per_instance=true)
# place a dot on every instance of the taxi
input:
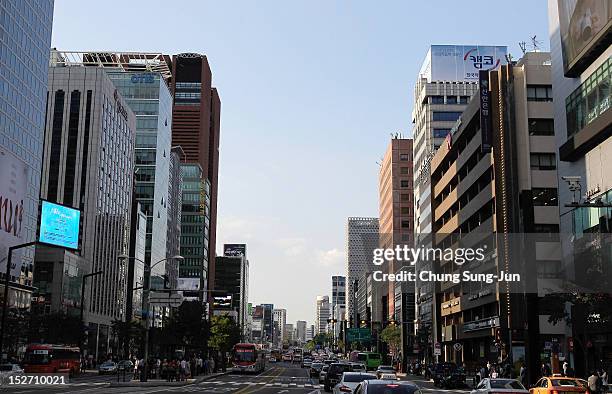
(558, 384)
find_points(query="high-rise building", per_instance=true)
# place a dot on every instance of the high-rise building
(196, 126)
(26, 37)
(194, 227)
(279, 317)
(581, 51)
(498, 165)
(396, 223)
(88, 164)
(288, 332)
(232, 279)
(322, 314)
(446, 82)
(267, 322)
(338, 301)
(175, 207)
(310, 333)
(361, 240)
(300, 331)
(142, 79)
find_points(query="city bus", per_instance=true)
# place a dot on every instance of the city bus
(47, 358)
(247, 358)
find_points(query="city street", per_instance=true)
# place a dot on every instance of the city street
(276, 379)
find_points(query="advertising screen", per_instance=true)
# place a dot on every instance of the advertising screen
(582, 24)
(59, 225)
(234, 250)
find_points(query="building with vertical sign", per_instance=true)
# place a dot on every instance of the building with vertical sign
(581, 50)
(26, 38)
(446, 82)
(232, 281)
(88, 164)
(481, 190)
(196, 113)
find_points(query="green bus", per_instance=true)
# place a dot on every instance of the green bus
(369, 359)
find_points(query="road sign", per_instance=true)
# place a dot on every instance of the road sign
(437, 349)
(458, 346)
(165, 299)
(362, 334)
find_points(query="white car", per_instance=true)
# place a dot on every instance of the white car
(388, 376)
(350, 381)
(487, 386)
(10, 370)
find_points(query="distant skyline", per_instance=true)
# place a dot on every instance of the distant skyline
(310, 91)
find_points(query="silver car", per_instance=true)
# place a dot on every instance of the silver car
(350, 380)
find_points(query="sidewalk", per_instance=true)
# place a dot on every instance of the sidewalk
(162, 382)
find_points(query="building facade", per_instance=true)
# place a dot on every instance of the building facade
(338, 301)
(362, 237)
(196, 116)
(232, 281)
(25, 30)
(300, 331)
(581, 77)
(482, 191)
(88, 164)
(322, 314)
(280, 320)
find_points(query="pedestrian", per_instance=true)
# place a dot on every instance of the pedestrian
(604, 377)
(594, 383)
(565, 368)
(523, 375)
(494, 374)
(182, 369)
(484, 372)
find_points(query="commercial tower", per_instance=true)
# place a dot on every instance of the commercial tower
(498, 166)
(396, 201)
(279, 317)
(88, 164)
(361, 240)
(25, 29)
(446, 82)
(581, 50)
(196, 115)
(338, 301)
(232, 280)
(300, 331)
(322, 315)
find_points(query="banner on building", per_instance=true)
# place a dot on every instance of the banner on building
(485, 111)
(13, 186)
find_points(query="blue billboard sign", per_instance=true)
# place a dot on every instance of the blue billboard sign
(59, 225)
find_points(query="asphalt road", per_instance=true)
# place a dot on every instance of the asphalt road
(281, 378)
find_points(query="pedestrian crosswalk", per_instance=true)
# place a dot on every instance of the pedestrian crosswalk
(262, 384)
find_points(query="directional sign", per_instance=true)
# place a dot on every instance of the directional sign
(362, 334)
(165, 299)
(437, 349)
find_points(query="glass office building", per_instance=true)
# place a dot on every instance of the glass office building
(25, 37)
(149, 98)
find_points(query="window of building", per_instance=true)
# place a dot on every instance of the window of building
(404, 183)
(405, 210)
(539, 93)
(546, 228)
(404, 157)
(464, 99)
(445, 116)
(437, 99)
(544, 196)
(543, 161)
(541, 127)
(404, 170)
(404, 197)
(440, 133)
(405, 223)
(451, 99)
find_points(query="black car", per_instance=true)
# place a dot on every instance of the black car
(387, 387)
(334, 374)
(315, 369)
(447, 375)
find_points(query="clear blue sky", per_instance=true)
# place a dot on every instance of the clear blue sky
(310, 92)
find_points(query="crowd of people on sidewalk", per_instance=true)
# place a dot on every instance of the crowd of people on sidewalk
(176, 369)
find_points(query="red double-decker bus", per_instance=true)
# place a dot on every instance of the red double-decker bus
(47, 358)
(247, 358)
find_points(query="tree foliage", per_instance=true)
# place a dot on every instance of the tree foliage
(224, 333)
(392, 336)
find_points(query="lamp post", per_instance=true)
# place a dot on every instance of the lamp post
(83, 302)
(145, 301)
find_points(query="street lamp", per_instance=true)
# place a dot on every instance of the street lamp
(146, 289)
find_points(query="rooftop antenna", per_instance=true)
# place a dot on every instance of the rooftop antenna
(535, 43)
(523, 46)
